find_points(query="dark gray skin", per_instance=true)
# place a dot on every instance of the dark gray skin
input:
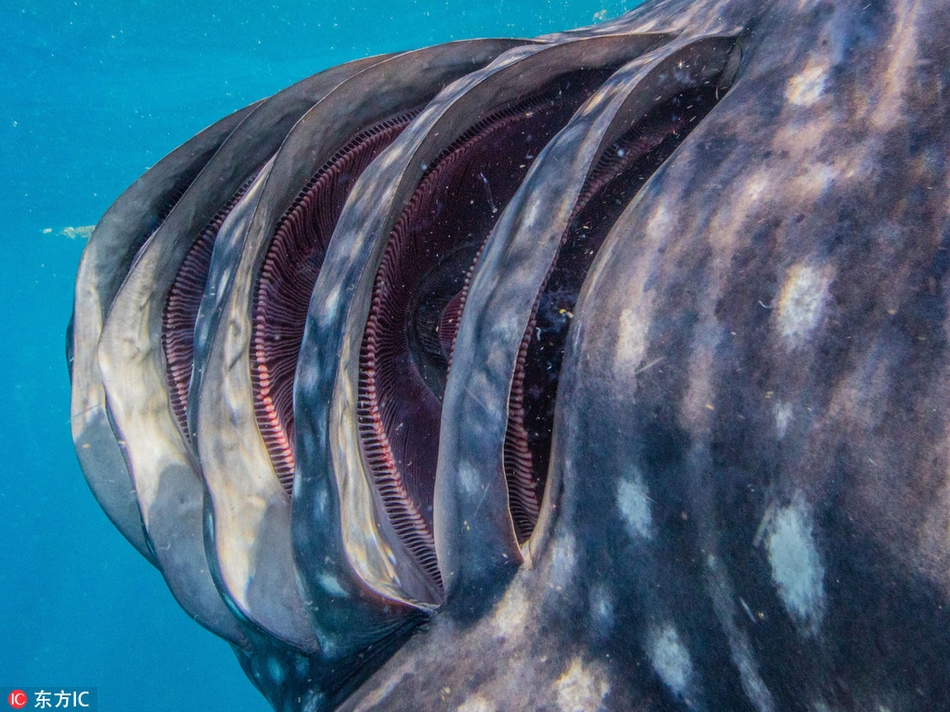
(747, 505)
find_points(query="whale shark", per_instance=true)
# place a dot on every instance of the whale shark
(594, 371)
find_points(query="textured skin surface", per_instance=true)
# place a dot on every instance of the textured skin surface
(748, 505)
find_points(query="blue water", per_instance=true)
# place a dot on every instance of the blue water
(91, 95)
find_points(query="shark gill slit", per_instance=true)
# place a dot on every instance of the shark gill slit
(419, 293)
(180, 311)
(286, 278)
(616, 178)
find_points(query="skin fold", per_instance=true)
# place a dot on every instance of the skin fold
(745, 501)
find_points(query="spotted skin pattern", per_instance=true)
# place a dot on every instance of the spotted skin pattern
(747, 506)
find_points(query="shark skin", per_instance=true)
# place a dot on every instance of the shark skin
(748, 502)
(744, 502)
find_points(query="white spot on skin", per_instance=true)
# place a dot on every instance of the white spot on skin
(581, 689)
(816, 179)
(802, 301)
(563, 561)
(512, 612)
(632, 330)
(796, 565)
(756, 187)
(660, 221)
(476, 704)
(468, 479)
(783, 416)
(633, 501)
(670, 659)
(806, 87)
(601, 611)
(275, 670)
(332, 301)
(331, 585)
(320, 503)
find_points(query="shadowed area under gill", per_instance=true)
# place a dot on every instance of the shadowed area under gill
(614, 181)
(419, 292)
(180, 311)
(330, 680)
(286, 279)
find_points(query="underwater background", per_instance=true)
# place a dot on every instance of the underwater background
(92, 93)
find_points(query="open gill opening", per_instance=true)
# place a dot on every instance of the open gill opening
(286, 279)
(418, 295)
(180, 311)
(617, 177)
(168, 202)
